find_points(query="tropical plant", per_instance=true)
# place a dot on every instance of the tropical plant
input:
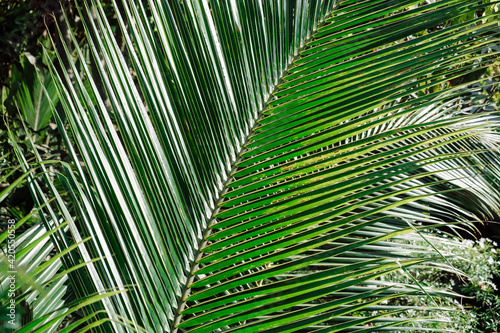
(249, 166)
(479, 306)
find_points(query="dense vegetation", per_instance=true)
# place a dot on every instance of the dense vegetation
(290, 166)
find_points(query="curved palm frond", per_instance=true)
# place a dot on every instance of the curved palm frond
(38, 264)
(250, 163)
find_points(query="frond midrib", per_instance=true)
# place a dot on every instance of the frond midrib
(186, 290)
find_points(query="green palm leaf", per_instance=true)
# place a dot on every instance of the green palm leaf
(260, 160)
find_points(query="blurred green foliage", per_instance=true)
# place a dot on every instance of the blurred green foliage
(25, 27)
(480, 262)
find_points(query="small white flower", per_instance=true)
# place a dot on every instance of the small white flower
(481, 243)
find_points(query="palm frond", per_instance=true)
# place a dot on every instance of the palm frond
(256, 159)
